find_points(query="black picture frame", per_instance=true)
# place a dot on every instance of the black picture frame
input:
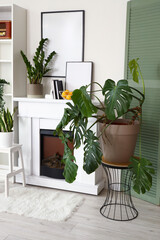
(65, 31)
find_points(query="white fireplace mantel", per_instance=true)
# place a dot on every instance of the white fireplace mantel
(34, 115)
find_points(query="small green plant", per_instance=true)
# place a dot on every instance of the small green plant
(2, 102)
(117, 103)
(41, 64)
(6, 120)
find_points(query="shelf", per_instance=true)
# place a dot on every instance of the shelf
(5, 61)
(5, 8)
(5, 40)
(8, 95)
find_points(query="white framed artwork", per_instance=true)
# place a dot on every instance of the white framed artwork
(65, 31)
(78, 74)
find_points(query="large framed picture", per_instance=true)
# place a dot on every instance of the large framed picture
(78, 74)
(65, 31)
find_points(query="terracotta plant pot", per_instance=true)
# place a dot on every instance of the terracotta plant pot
(6, 139)
(34, 90)
(118, 141)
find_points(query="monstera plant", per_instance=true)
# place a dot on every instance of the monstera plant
(118, 99)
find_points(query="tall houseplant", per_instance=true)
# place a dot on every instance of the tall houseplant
(37, 70)
(117, 101)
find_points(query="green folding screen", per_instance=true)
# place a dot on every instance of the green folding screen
(143, 41)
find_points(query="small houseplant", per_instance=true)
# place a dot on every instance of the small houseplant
(6, 128)
(117, 103)
(37, 70)
(6, 120)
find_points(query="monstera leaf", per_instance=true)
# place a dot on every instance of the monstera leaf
(92, 152)
(70, 169)
(117, 98)
(133, 65)
(142, 174)
(82, 99)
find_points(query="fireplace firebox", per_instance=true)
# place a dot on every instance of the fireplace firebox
(51, 153)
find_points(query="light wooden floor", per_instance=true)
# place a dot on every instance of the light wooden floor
(87, 224)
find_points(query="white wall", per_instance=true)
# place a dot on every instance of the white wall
(105, 23)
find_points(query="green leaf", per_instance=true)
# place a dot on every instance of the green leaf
(2, 124)
(133, 65)
(47, 60)
(117, 98)
(3, 82)
(92, 152)
(64, 121)
(142, 174)
(82, 99)
(70, 170)
(28, 66)
(6, 120)
(2, 102)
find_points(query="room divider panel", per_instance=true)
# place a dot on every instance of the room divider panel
(143, 42)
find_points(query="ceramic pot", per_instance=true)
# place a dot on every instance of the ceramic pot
(118, 141)
(6, 139)
(34, 90)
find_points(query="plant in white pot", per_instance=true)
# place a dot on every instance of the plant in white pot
(117, 102)
(37, 70)
(6, 128)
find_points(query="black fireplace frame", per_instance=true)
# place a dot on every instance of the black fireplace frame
(44, 170)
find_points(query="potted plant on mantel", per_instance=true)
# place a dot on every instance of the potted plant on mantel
(117, 102)
(36, 73)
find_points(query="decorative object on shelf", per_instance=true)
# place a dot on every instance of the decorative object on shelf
(48, 96)
(41, 67)
(57, 89)
(2, 102)
(65, 29)
(78, 74)
(5, 29)
(6, 128)
(67, 94)
(117, 102)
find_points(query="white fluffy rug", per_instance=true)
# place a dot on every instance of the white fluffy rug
(41, 203)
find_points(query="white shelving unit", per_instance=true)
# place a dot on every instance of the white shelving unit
(12, 67)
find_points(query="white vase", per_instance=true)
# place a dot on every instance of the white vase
(6, 139)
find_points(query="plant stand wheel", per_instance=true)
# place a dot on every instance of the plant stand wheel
(118, 204)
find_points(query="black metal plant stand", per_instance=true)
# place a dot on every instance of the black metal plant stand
(118, 205)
